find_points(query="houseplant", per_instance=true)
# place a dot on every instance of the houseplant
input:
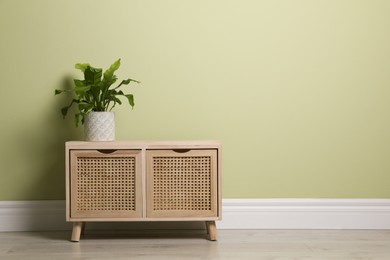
(95, 98)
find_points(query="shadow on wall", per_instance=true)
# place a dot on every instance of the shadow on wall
(44, 144)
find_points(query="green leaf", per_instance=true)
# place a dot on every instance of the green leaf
(105, 85)
(126, 82)
(108, 77)
(130, 97)
(82, 66)
(92, 75)
(107, 82)
(95, 90)
(79, 83)
(85, 107)
(80, 88)
(117, 100)
(110, 71)
(136, 81)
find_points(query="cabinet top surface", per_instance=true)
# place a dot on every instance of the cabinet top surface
(144, 144)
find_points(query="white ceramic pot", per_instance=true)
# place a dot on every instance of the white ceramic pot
(99, 126)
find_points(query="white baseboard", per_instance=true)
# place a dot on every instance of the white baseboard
(306, 214)
(33, 215)
(236, 214)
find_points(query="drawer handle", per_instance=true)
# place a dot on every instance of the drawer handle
(181, 150)
(106, 151)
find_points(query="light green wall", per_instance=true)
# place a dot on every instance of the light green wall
(297, 91)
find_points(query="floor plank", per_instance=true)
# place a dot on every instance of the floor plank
(231, 244)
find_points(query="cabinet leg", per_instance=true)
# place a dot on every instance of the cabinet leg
(211, 230)
(76, 232)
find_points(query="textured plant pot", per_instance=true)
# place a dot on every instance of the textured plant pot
(99, 126)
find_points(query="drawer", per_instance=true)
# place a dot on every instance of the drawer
(181, 183)
(105, 184)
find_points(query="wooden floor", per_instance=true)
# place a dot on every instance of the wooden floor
(232, 244)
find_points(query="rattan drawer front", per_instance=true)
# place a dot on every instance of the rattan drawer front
(105, 184)
(181, 184)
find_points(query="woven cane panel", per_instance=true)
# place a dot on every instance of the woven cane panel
(182, 183)
(105, 184)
